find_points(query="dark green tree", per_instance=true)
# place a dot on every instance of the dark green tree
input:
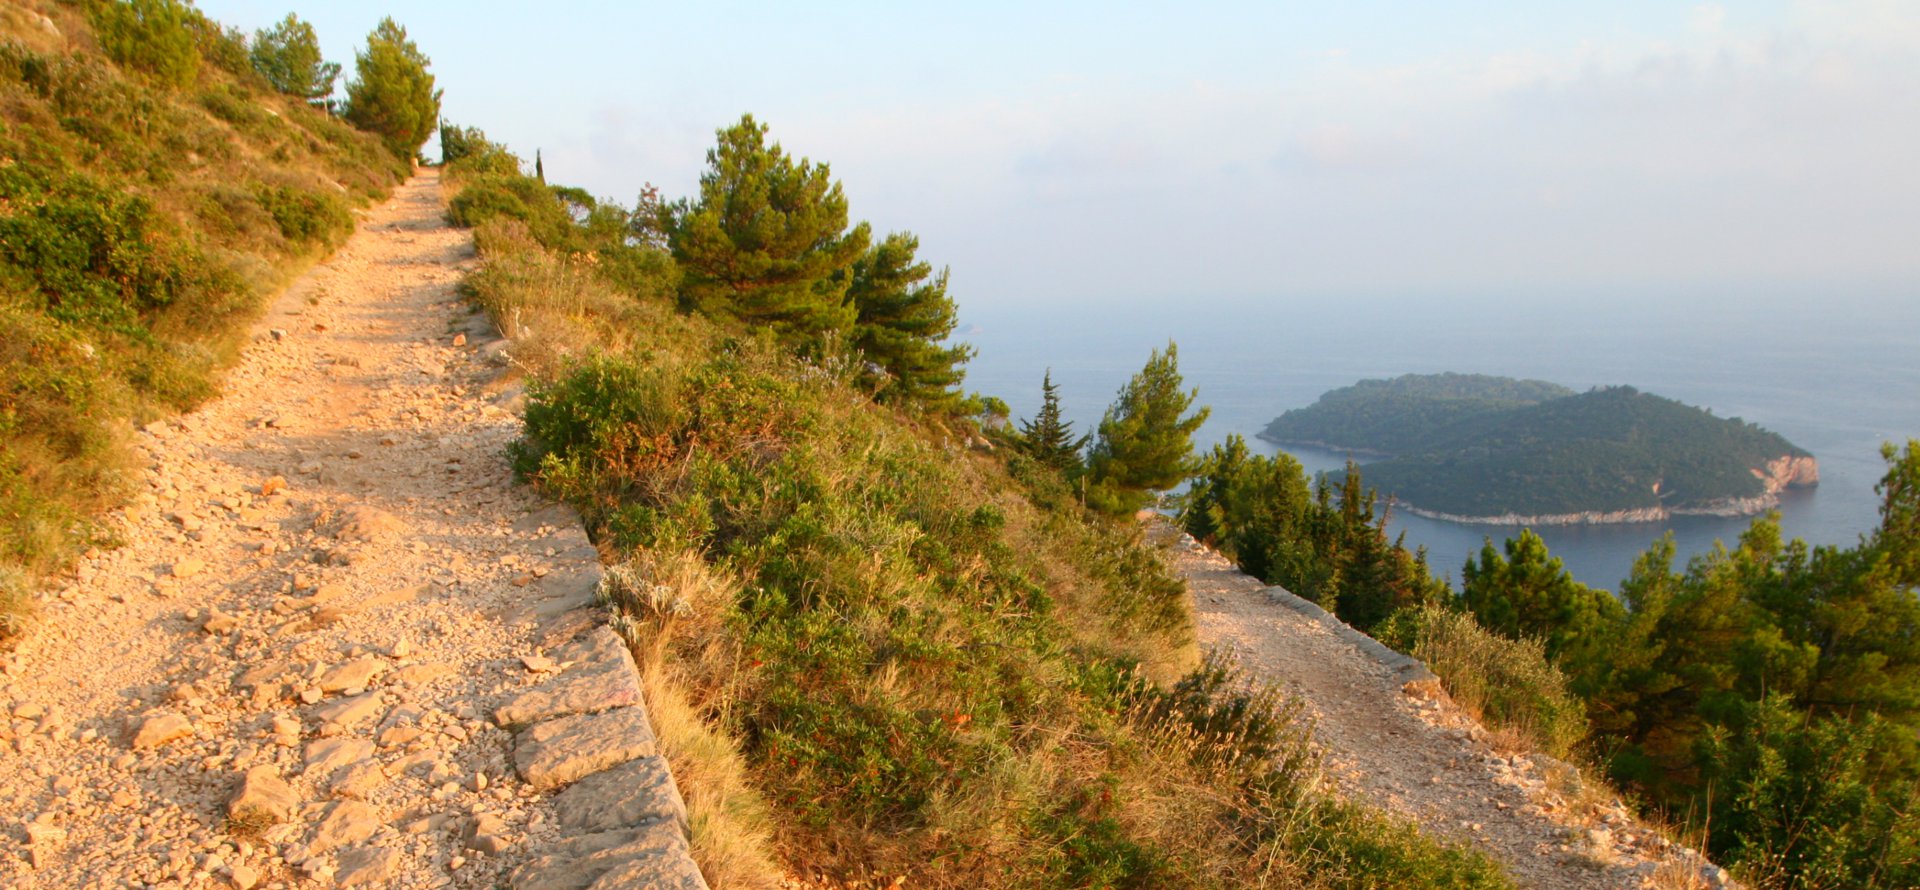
(391, 94)
(154, 36)
(1528, 593)
(1898, 539)
(288, 56)
(1048, 437)
(767, 243)
(902, 320)
(1144, 444)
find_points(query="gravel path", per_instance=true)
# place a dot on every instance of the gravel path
(324, 586)
(1405, 747)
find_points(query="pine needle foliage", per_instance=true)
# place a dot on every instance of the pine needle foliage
(903, 317)
(767, 242)
(1048, 437)
(151, 36)
(288, 56)
(1144, 444)
(391, 94)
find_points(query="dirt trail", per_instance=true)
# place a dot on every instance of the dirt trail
(1414, 752)
(325, 572)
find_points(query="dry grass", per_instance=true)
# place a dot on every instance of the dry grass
(16, 602)
(658, 600)
(1507, 685)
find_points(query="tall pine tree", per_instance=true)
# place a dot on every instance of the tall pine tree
(392, 95)
(1144, 444)
(288, 56)
(902, 318)
(767, 243)
(1048, 437)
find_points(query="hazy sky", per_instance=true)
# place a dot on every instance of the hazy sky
(1106, 151)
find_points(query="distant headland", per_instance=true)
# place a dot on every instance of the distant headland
(1495, 450)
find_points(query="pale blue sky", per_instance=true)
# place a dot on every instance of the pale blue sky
(1088, 152)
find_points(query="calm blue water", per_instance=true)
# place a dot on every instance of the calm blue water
(1835, 378)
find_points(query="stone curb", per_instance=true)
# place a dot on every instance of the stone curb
(584, 735)
(1410, 669)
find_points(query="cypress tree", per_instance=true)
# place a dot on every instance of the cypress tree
(902, 316)
(768, 242)
(1048, 438)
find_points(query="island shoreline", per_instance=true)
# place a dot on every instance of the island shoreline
(1781, 473)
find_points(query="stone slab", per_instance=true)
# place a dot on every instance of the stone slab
(587, 861)
(553, 753)
(638, 792)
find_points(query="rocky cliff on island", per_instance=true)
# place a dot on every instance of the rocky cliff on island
(1498, 451)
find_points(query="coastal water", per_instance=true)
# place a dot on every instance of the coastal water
(1834, 376)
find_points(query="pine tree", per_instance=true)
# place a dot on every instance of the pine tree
(392, 95)
(288, 56)
(150, 35)
(768, 242)
(1528, 593)
(1143, 443)
(902, 316)
(1048, 438)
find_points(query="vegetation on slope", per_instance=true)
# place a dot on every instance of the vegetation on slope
(1476, 446)
(1401, 415)
(155, 190)
(929, 661)
(1768, 694)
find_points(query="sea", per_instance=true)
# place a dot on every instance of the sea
(1835, 373)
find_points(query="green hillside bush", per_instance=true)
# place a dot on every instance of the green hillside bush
(1508, 684)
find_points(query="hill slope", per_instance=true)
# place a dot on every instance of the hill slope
(147, 215)
(1495, 449)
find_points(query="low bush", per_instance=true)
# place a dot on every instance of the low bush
(488, 196)
(306, 217)
(1506, 683)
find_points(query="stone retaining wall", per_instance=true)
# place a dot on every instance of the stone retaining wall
(585, 729)
(1409, 668)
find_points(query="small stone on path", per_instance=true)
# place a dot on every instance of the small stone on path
(161, 729)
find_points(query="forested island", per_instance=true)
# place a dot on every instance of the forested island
(1478, 448)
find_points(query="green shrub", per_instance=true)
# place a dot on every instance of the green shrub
(226, 48)
(1506, 683)
(154, 36)
(307, 217)
(489, 196)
